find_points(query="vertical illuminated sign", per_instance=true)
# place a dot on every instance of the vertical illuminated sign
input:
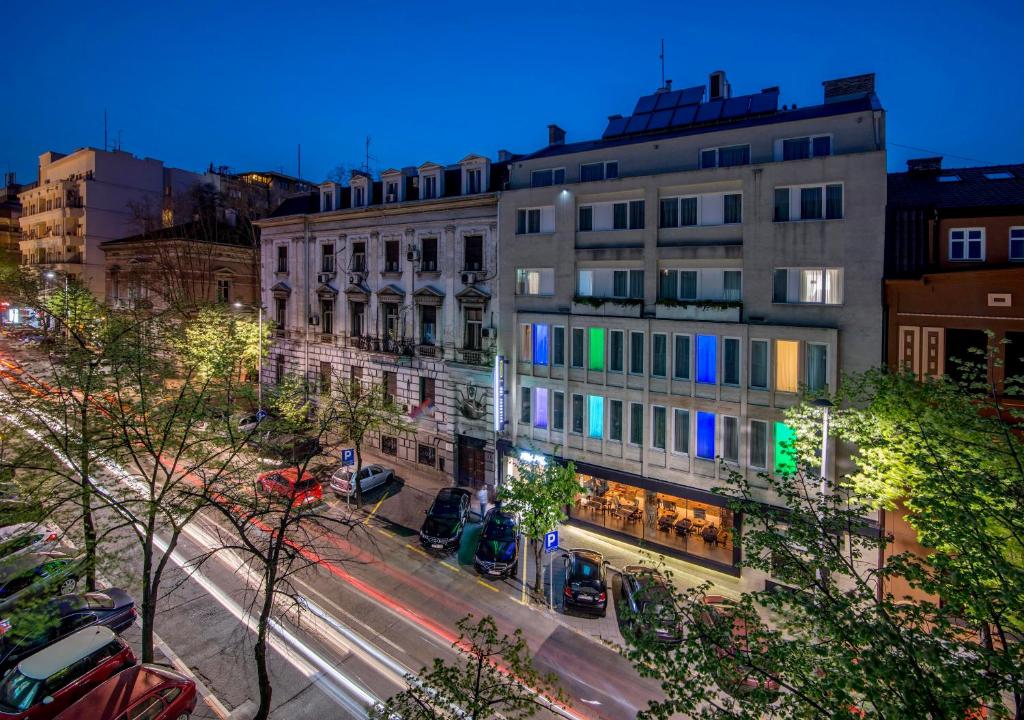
(499, 393)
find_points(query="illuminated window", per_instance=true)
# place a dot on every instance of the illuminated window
(706, 435)
(785, 454)
(707, 359)
(595, 356)
(540, 344)
(540, 408)
(595, 416)
(787, 353)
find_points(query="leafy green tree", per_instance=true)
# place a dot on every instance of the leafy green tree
(493, 678)
(539, 495)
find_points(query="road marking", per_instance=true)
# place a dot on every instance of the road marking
(488, 586)
(450, 566)
(383, 531)
(375, 507)
(204, 692)
(421, 551)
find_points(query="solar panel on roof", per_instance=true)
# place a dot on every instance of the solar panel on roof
(668, 100)
(684, 115)
(691, 96)
(638, 123)
(735, 107)
(645, 104)
(764, 102)
(706, 112)
(660, 120)
(616, 126)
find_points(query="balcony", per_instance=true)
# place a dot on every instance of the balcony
(433, 352)
(705, 310)
(386, 346)
(468, 356)
(607, 307)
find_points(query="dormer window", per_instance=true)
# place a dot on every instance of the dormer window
(328, 201)
(391, 191)
(429, 187)
(474, 182)
(358, 196)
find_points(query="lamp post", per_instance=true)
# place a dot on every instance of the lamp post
(259, 356)
(51, 275)
(825, 406)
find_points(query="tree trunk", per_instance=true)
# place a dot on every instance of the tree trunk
(260, 650)
(538, 584)
(148, 606)
(88, 522)
(357, 479)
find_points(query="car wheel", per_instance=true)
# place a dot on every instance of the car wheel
(184, 716)
(68, 585)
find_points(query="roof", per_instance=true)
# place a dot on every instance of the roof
(62, 653)
(957, 188)
(696, 118)
(212, 232)
(121, 691)
(298, 205)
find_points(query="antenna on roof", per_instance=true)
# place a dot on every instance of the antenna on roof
(662, 58)
(104, 129)
(366, 166)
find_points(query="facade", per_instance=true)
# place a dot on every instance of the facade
(672, 287)
(254, 194)
(10, 211)
(392, 281)
(86, 198)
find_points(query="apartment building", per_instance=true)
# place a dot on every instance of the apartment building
(394, 281)
(89, 197)
(673, 286)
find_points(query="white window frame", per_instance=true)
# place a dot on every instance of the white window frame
(529, 328)
(739, 360)
(583, 414)
(966, 242)
(739, 441)
(1009, 243)
(622, 420)
(807, 345)
(629, 354)
(554, 345)
(689, 362)
(540, 281)
(767, 364)
(552, 170)
(540, 220)
(668, 355)
(604, 169)
(824, 292)
(625, 359)
(810, 140)
(629, 424)
(794, 202)
(583, 351)
(689, 431)
(651, 444)
(750, 444)
(717, 149)
(437, 185)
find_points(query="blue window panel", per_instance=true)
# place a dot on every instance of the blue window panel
(706, 435)
(540, 344)
(595, 412)
(707, 359)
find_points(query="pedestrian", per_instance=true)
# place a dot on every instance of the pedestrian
(481, 498)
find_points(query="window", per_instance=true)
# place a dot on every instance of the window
(785, 453)
(577, 414)
(781, 205)
(327, 317)
(358, 196)
(730, 438)
(615, 350)
(586, 221)
(355, 374)
(833, 202)
(429, 187)
(281, 313)
(524, 405)
(473, 252)
(327, 258)
(530, 221)
(391, 191)
(526, 343)
(786, 365)
(668, 285)
(589, 172)
(428, 324)
(389, 313)
(808, 285)
(595, 417)
(801, 148)
(282, 258)
(426, 390)
(535, 281)
(636, 284)
(540, 344)
(636, 214)
(732, 284)
(279, 369)
(659, 355)
(636, 353)
(668, 216)
(392, 252)
(688, 284)
(223, 291)
(585, 284)
(687, 211)
(725, 156)
(473, 332)
(730, 361)
(473, 181)
(809, 203)
(681, 358)
(428, 261)
(577, 347)
(628, 216)
(967, 244)
(759, 364)
(546, 178)
(558, 411)
(558, 346)
(658, 427)
(615, 420)
(706, 435)
(620, 216)
(620, 283)
(636, 424)
(391, 384)
(359, 257)
(733, 208)
(426, 454)
(817, 366)
(595, 351)
(1017, 243)
(681, 431)
(707, 359)
(758, 444)
(540, 412)
(325, 378)
(389, 445)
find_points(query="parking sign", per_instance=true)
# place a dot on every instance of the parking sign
(348, 456)
(551, 541)
(261, 415)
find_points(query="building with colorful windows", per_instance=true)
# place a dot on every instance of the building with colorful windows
(670, 288)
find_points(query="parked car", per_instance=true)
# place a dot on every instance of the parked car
(145, 692)
(45, 683)
(285, 448)
(23, 576)
(30, 537)
(248, 423)
(497, 552)
(287, 484)
(718, 614)
(649, 607)
(61, 616)
(446, 517)
(370, 477)
(586, 583)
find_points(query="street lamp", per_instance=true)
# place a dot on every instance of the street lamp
(51, 275)
(825, 406)
(259, 357)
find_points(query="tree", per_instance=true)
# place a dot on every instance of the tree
(539, 494)
(493, 678)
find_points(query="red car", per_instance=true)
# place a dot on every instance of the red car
(43, 684)
(719, 613)
(286, 484)
(144, 691)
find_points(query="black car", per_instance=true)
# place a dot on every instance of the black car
(442, 529)
(287, 448)
(23, 577)
(39, 627)
(648, 606)
(497, 553)
(586, 584)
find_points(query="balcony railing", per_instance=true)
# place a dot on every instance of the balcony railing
(473, 357)
(388, 346)
(430, 351)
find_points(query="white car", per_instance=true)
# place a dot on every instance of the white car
(31, 537)
(371, 476)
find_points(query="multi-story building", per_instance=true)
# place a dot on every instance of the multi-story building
(670, 288)
(954, 283)
(10, 211)
(393, 281)
(254, 194)
(89, 197)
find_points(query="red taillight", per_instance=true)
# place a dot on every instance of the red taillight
(52, 537)
(602, 597)
(568, 591)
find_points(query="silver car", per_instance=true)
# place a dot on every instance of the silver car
(371, 476)
(32, 537)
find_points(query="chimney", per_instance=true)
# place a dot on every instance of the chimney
(848, 88)
(504, 156)
(556, 135)
(925, 166)
(718, 86)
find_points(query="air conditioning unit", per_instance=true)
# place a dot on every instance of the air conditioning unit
(314, 319)
(468, 278)
(324, 277)
(487, 332)
(391, 197)
(412, 255)
(355, 279)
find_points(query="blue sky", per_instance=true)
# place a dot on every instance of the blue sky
(243, 84)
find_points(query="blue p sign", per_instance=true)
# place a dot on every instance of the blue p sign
(348, 456)
(551, 541)
(261, 415)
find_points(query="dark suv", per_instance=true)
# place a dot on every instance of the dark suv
(586, 585)
(648, 607)
(497, 553)
(442, 529)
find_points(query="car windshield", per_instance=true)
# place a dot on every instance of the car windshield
(586, 569)
(18, 692)
(307, 484)
(502, 528)
(445, 508)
